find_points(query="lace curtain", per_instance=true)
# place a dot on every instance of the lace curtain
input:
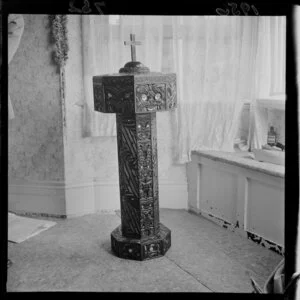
(212, 56)
(268, 77)
(213, 63)
(104, 53)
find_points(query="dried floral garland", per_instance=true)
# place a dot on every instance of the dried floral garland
(59, 38)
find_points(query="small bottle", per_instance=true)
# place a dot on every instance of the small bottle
(271, 137)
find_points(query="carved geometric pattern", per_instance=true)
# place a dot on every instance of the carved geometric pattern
(135, 99)
(150, 97)
(146, 131)
(119, 94)
(138, 179)
(128, 175)
(129, 94)
(138, 174)
(114, 94)
(155, 173)
(141, 249)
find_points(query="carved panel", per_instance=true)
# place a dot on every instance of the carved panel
(119, 94)
(128, 175)
(144, 155)
(150, 97)
(147, 218)
(152, 249)
(143, 249)
(137, 174)
(130, 250)
(135, 99)
(145, 170)
(155, 173)
(115, 94)
(125, 248)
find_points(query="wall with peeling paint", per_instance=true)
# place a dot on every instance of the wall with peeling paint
(35, 136)
(246, 197)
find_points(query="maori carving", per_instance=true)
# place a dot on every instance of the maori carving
(127, 94)
(138, 175)
(130, 219)
(135, 94)
(152, 249)
(150, 97)
(144, 127)
(128, 175)
(127, 151)
(144, 155)
(149, 216)
(118, 94)
(130, 250)
(147, 219)
(143, 237)
(154, 246)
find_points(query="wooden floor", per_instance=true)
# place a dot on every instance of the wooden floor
(75, 255)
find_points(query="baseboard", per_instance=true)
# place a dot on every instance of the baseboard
(36, 197)
(233, 228)
(52, 198)
(58, 198)
(38, 215)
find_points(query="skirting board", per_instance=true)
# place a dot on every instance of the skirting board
(37, 197)
(235, 228)
(72, 200)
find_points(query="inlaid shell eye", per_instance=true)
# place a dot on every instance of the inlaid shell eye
(144, 97)
(157, 96)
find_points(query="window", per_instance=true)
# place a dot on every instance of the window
(271, 108)
(212, 57)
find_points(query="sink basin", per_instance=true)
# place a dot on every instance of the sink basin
(269, 156)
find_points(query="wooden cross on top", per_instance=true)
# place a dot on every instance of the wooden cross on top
(132, 43)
